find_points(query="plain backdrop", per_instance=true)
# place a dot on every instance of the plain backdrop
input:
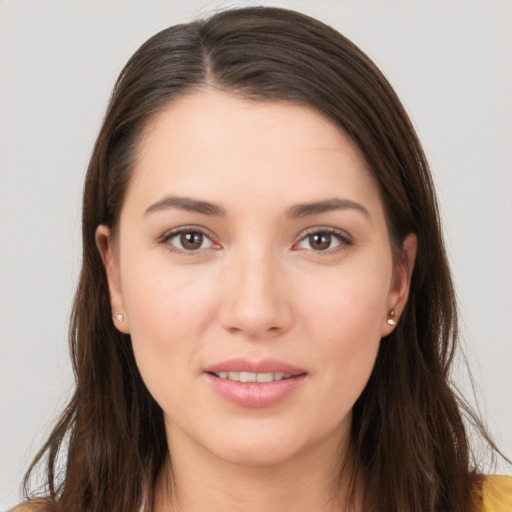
(450, 62)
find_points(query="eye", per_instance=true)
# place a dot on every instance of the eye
(324, 240)
(187, 240)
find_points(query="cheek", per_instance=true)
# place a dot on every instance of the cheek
(350, 305)
(349, 336)
(344, 322)
(168, 312)
(165, 303)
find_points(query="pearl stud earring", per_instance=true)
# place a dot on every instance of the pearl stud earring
(391, 320)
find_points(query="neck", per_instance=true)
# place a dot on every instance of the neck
(317, 479)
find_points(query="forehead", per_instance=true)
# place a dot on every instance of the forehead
(215, 143)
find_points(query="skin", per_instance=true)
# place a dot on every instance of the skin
(259, 285)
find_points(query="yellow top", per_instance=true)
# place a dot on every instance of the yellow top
(496, 494)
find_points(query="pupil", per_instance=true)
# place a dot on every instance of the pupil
(191, 240)
(320, 242)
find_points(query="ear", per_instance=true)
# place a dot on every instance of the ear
(106, 248)
(401, 283)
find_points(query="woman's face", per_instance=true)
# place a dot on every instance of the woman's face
(255, 274)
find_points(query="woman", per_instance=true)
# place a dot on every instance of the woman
(265, 316)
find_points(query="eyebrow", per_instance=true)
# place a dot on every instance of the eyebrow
(214, 210)
(188, 204)
(315, 208)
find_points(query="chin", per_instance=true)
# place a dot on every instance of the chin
(257, 455)
(263, 444)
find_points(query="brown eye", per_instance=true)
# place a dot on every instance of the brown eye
(191, 241)
(320, 241)
(325, 240)
(188, 240)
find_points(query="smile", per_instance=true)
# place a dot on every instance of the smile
(262, 378)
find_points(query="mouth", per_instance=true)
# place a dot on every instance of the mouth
(252, 377)
(255, 384)
(263, 371)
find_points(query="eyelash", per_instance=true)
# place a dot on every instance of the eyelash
(165, 239)
(345, 241)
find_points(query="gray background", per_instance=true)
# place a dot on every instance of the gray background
(450, 62)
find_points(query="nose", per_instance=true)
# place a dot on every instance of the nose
(256, 300)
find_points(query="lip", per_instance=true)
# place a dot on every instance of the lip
(262, 366)
(252, 394)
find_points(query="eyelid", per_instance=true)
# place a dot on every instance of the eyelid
(344, 238)
(171, 233)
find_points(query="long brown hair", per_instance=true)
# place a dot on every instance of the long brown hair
(408, 431)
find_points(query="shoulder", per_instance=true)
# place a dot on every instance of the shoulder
(497, 493)
(32, 506)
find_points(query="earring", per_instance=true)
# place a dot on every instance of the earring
(119, 318)
(391, 320)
